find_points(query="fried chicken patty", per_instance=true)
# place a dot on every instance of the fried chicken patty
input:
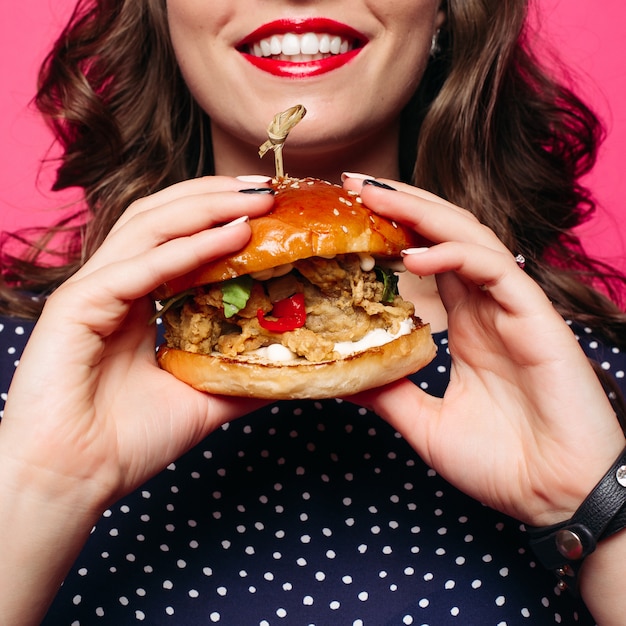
(343, 302)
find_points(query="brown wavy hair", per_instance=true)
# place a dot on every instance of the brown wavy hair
(489, 129)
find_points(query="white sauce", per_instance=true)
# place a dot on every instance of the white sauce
(278, 353)
(272, 272)
(373, 339)
(366, 261)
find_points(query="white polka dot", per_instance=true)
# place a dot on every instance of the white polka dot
(215, 617)
(500, 601)
(307, 601)
(193, 593)
(334, 605)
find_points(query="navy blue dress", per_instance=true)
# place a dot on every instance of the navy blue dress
(307, 513)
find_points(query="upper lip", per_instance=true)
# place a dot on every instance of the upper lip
(291, 37)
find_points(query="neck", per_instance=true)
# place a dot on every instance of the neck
(376, 155)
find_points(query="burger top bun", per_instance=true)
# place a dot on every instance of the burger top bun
(310, 217)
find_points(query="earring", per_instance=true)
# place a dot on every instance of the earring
(435, 48)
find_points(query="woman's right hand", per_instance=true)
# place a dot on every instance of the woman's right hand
(88, 401)
(89, 415)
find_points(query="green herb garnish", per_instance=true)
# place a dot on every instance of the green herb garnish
(390, 281)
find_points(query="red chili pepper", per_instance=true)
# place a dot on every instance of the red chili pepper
(289, 313)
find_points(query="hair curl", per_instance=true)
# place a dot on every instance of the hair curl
(489, 129)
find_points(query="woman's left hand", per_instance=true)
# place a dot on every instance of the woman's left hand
(525, 426)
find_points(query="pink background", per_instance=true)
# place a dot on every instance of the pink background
(588, 36)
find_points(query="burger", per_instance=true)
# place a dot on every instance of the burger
(309, 308)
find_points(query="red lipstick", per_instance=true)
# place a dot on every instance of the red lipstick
(282, 66)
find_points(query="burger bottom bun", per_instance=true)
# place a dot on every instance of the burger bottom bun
(330, 379)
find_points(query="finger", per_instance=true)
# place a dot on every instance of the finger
(100, 299)
(355, 182)
(180, 218)
(428, 215)
(495, 273)
(412, 425)
(192, 187)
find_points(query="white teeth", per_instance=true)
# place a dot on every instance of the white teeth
(275, 46)
(292, 45)
(309, 44)
(325, 44)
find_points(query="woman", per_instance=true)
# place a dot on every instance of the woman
(308, 512)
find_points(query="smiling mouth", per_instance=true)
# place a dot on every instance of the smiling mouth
(301, 48)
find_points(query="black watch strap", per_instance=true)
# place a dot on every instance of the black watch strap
(562, 547)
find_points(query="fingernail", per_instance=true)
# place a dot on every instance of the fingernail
(346, 175)
(377, 183)
(410, 251)
(267, 190)
(254, 178)
(239, 220)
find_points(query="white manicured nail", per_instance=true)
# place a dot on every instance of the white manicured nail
(410, 251)
(239, 220)
(254, 178)
(356, 176)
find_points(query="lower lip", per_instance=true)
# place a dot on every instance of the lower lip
(289, 69)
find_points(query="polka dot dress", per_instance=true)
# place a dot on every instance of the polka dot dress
(307, 513)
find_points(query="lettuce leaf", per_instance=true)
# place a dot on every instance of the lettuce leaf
(235, 294)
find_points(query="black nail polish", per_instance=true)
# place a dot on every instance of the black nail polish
(377, 183)
(268, 190)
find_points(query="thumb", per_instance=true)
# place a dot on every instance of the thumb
(390, 402)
